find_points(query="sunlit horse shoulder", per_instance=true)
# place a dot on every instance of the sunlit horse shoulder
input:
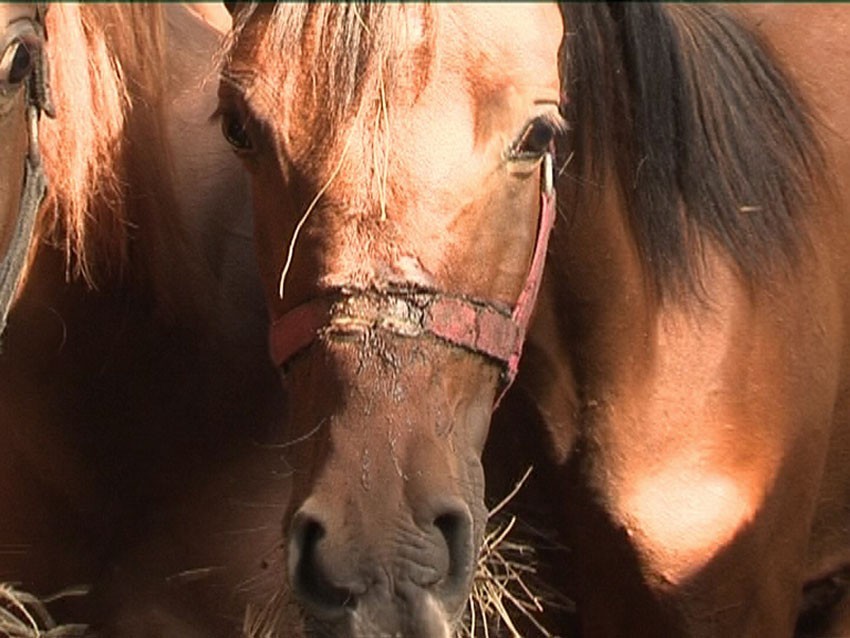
(685, 376)
(123, 386)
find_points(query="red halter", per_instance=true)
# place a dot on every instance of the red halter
(478, 326)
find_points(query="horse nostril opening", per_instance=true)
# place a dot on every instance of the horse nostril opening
(308, 572)
(455, 526)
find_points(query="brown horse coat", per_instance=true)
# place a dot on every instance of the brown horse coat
(119, 398)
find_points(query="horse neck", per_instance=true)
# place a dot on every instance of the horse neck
(113, 203)
(595, 311)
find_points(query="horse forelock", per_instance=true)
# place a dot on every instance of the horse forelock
(105, 61)
(347, 53)
(709, 140)
(341, 64)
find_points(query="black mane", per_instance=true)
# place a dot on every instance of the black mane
(707, 136)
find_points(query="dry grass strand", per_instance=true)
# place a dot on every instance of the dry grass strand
(23, 615)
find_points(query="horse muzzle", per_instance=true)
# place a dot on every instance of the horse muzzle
(407, 577)
(388, 510)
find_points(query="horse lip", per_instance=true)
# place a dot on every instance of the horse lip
(328, 613)
(424, 612)
(428, 615)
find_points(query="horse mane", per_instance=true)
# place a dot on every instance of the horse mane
(106, 154)
(707, 137)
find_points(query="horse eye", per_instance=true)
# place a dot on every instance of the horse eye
(534, 139)
(17, 62)
(235, 131)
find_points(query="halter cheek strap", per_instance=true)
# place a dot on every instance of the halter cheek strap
(482, 327)
(38, 101)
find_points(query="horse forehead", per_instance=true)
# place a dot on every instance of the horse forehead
(488, 54)
(494, 62)
(515, 34)
(11, 11)
(502, 46)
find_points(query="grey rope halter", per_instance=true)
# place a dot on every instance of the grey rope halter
(38, 101)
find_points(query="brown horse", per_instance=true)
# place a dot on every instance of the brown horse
(388, 509)
(685, 376)
(148, 371)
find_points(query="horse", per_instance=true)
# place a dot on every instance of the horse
(683, 386)
(134, 363)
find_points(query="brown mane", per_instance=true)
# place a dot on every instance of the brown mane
(108, 77)
(707, 137)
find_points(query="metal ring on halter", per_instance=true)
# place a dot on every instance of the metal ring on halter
(548, 179)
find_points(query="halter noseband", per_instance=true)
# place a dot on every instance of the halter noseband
(38, 101)
(482, 327)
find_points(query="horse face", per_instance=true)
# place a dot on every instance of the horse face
(394, 151)
(18, 44)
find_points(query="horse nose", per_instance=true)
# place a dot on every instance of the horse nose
(331, 567)
(315, 579)
(453, 521)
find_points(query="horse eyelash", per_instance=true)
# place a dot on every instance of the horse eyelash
(231, 93)
(556, 121)
(551, 119)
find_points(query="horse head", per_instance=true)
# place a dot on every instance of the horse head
(400, 164)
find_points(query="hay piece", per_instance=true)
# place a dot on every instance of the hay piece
(506, 587)
(23, 615)
(275, 618)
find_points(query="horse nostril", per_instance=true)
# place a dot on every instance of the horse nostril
(308, 572)
(455, 526)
